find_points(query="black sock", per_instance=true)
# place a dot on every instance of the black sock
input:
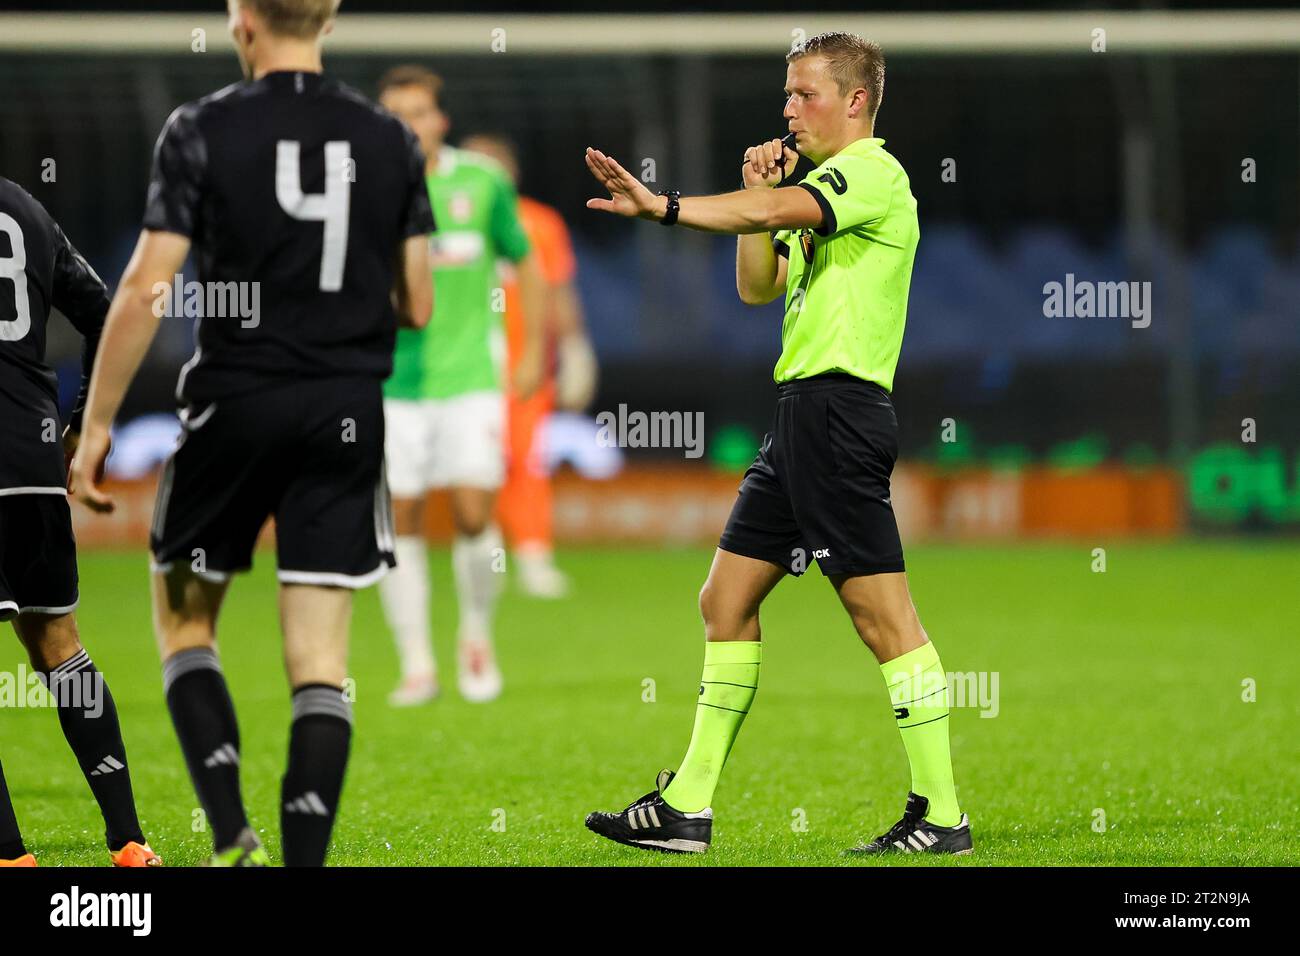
(11, 841)
(88, 717)
(204, 717)
(318, 757)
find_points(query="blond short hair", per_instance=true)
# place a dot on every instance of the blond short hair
(303, 19)
(852, 61)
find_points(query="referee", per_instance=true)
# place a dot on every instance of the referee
(840, 248)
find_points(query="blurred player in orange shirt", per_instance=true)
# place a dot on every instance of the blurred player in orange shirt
(525, 501)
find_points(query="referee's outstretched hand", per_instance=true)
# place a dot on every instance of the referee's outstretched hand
(627, 194)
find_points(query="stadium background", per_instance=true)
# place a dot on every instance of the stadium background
(1067, 434)
(1124, 165)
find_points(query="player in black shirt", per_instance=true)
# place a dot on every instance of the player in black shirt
(306, 210)
(40, 270)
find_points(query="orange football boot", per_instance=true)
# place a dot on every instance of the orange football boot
(135, 854)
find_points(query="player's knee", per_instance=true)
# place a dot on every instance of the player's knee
(316, 668)
(884, 633)
(408, 514)
(316, 623)
(869, 629)
(471, 525)
(724, 620)
(48, 640)
(184, 610)
(708, 602)
(471, 510)
(184, 636)
(310, 661)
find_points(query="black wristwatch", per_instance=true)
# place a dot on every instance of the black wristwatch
(674, 206)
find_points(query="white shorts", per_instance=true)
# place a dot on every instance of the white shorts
(456, 442)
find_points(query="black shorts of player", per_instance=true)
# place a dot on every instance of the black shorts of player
(819, 488)
(311, 455)
(38, 556)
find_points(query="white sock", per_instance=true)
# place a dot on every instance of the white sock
(404, 592)
(534, 553)
(475, 561)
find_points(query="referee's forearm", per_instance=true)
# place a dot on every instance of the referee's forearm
(738, 213)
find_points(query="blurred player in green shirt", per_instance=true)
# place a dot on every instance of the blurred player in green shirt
(839, 247)
(444, 406)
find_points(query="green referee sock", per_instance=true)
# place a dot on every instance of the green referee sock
(726, 690)
(918, 690)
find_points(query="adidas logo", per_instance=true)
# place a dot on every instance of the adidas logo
(108, 765)
(226, 755)
(646, 815)
(309, 803)
(916, 840)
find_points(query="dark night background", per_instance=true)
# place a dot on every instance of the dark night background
(1046, 186)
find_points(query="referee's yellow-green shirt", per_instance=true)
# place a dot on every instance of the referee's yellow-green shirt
(847, 281)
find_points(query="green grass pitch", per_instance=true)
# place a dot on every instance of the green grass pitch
(1119, 693)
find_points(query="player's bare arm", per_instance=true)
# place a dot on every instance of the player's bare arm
(736, 213)
(576, 371)
(80, 295)
(413, 289)
(128, 331)
(565, 312)
(533, 292)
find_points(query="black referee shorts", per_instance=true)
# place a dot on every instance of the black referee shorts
(311, 454)
(819, 488)
(38, 556)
